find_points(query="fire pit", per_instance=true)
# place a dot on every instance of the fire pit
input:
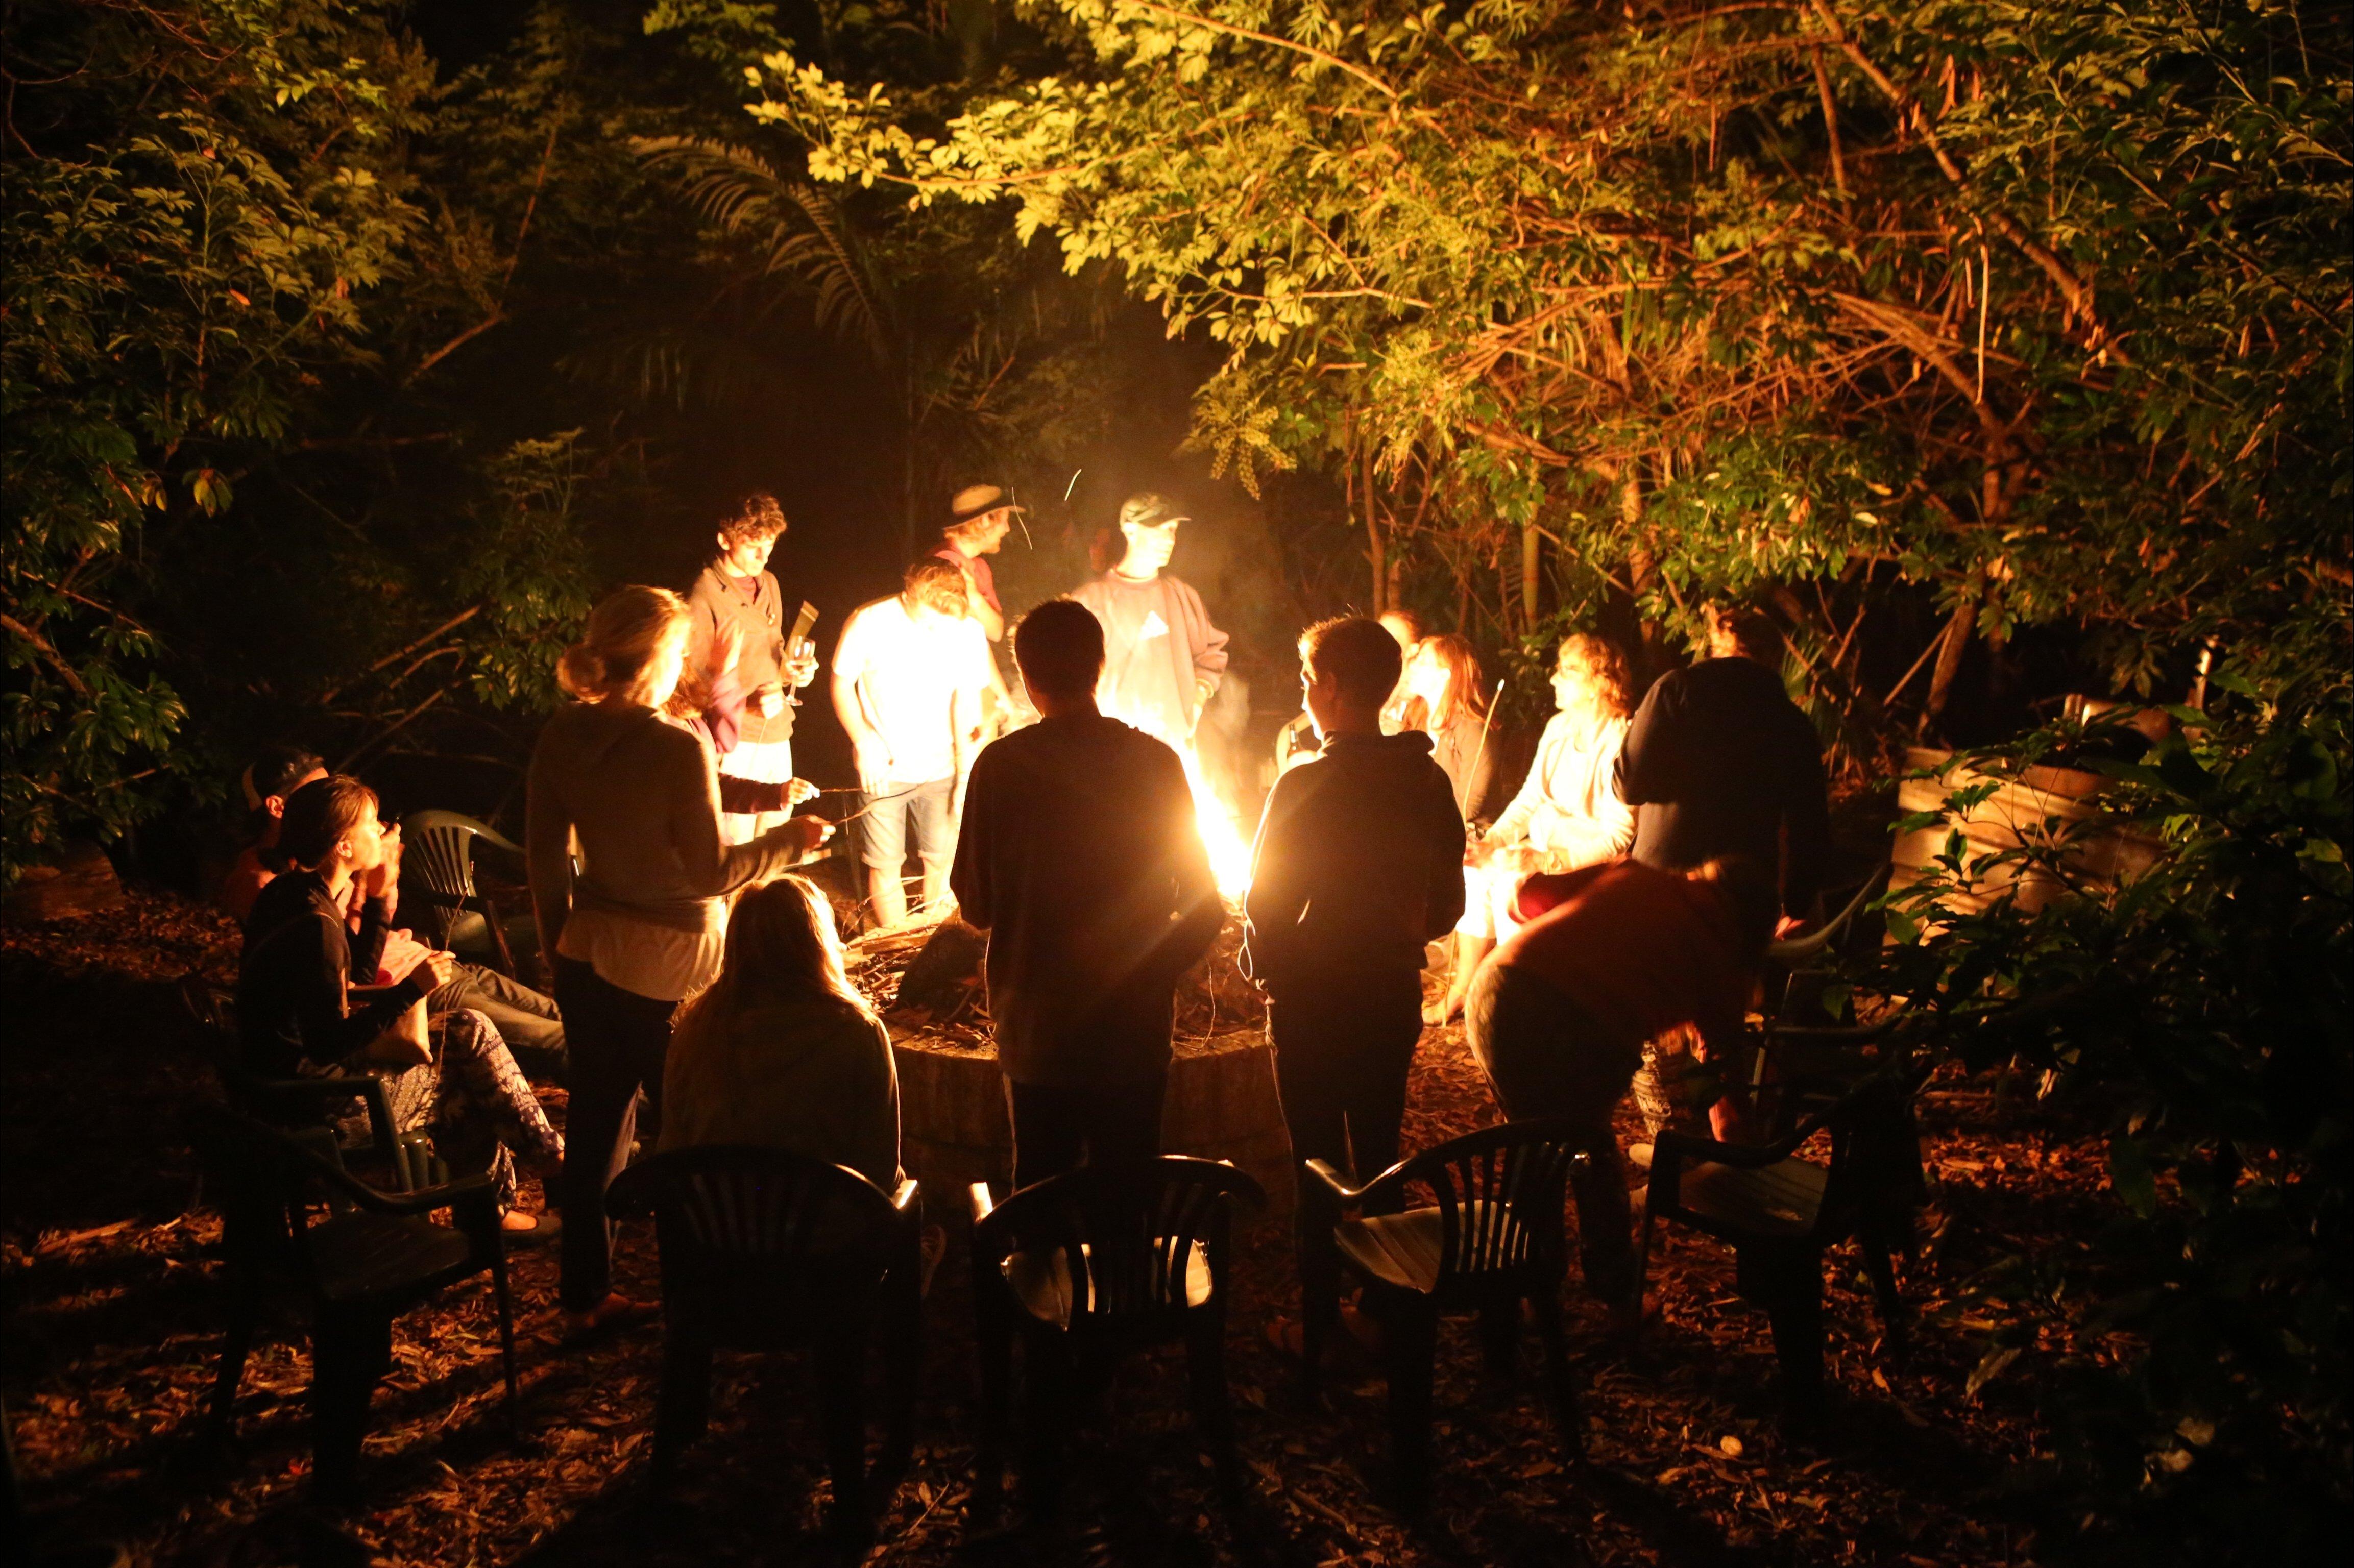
(926, 982)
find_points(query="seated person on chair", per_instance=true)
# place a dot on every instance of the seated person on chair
(780, 1052)
(296, 1013)
(1566, 815)
(1610, 956)
(526, 1019)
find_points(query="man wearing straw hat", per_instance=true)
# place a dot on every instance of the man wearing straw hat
(980, 517)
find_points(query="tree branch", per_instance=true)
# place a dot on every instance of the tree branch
(2071, 288)
(455, 622)
(1190, 19)
(454, 345)
(48, 653)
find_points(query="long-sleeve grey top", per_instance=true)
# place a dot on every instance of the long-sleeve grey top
(812, 1075)
(641, 794)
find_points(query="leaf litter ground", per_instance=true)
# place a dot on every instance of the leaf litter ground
(113, 1299)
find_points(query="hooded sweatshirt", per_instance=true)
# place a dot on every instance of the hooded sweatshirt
(1359, 863)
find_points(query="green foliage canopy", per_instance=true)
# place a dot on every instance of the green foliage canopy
(2043, 308)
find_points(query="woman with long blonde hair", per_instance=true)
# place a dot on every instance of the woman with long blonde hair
(639, 925)
(780, 1052)
(1568, 812)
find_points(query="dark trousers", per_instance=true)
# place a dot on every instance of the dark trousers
(618, 1041)
(1546, 1057)
(1055, 1124)
(1342, 1055)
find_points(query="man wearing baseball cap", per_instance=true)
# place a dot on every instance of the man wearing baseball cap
(1163, 659)
(979, 517)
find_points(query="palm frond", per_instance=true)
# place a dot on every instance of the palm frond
(804, 234)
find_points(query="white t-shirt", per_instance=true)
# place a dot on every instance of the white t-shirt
(910, 669)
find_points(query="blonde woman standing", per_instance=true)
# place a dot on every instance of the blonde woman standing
(643, 923)
(1568, 812)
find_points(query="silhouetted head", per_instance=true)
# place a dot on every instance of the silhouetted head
(1059, 649)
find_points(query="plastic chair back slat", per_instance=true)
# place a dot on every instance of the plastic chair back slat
(747, 1234)
(1127, 1234)
(1499, 1192)
(439, 846)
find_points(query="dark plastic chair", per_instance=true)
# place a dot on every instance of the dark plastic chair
(1780, 1214)
(309, 1108)
(438, 858)
(1489, 1239)
(1087, 1266)
(762, 1250)
(301, 1234)
(1799, 957)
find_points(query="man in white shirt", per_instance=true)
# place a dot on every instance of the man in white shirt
(1163, 659)
(908, 675)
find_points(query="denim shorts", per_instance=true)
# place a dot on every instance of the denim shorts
(883, 830)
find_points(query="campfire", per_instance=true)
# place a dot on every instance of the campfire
(925, 979)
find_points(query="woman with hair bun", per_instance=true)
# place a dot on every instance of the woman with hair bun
(642, 922)
(299, 1011)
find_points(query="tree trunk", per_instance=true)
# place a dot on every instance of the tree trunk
(1955, 642)
(1532, 559)
(1376, 548)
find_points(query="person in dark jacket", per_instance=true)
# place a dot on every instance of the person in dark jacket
(1721, 763)
(298, 1013)
(1079, 855)
(1359, 863)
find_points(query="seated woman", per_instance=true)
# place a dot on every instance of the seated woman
(298, 1014)
(1568, 813)
(1442, 683)
(780, 1052)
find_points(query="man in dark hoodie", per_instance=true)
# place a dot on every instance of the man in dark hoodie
(1359, 863)
(1721, 763)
